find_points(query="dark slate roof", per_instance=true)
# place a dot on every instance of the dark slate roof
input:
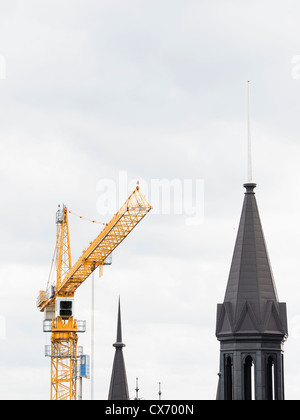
(118, 389)
(251, 304)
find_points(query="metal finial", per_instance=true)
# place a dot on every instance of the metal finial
(137, 389)
(159, 391)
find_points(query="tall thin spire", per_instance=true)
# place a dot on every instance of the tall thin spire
(249, 138)
(251, 322)
(118, 385)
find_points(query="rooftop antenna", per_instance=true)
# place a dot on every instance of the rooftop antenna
(249, 138)
(159, 391)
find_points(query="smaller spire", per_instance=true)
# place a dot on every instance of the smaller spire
(118, 389)
(119, 343)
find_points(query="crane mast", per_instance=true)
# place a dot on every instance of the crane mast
(57, 302)
(63, 350)
(62, 245)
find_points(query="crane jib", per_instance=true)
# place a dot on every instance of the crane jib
(123, 222)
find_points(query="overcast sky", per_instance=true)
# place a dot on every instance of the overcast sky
(93, 92)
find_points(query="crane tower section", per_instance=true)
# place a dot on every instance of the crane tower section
(57, 301)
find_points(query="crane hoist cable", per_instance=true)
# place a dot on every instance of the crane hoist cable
(85, 218)
(55, 249)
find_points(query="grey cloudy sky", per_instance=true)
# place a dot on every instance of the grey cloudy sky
(156, 89)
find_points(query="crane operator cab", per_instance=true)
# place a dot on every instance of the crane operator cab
(59, 215)
(64, 307)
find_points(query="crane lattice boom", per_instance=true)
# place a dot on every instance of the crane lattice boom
(128, 216)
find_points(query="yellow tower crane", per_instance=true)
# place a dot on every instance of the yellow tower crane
(57, 302)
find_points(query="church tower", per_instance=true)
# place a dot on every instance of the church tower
(251, 322)
(118, 389)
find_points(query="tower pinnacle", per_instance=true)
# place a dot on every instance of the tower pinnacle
(118, 385)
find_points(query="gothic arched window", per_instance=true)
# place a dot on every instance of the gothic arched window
(228, 378)
(249, 379)
(270, 392)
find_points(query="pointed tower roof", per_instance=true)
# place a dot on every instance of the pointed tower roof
(251, 322)
(251, 303)
(118, 385)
